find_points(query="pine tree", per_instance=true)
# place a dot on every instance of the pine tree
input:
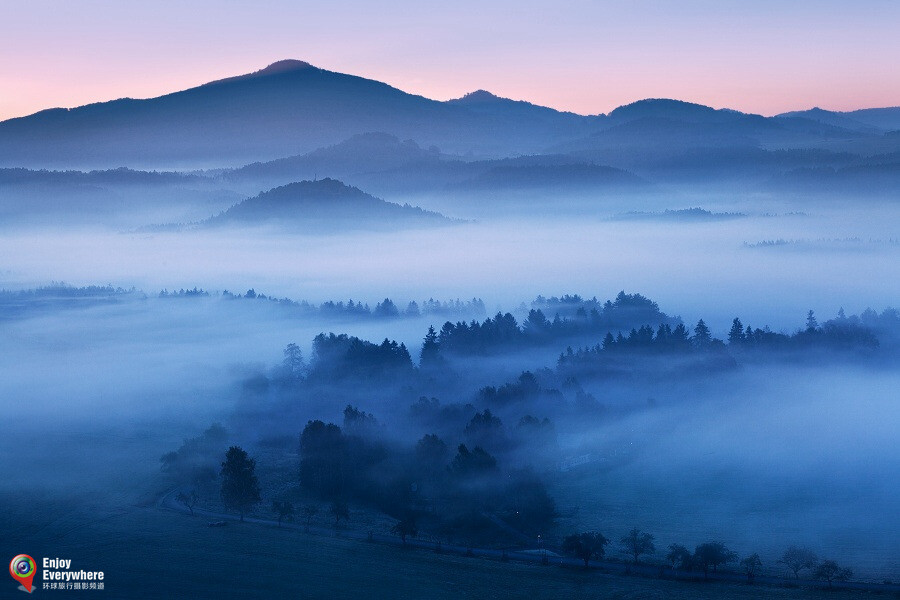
(702, 337)
(431, 349)
(736, 335)
(811, 323)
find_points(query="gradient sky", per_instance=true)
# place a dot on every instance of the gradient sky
(587, 56)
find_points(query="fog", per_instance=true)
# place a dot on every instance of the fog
(782, 447)
(707, 269)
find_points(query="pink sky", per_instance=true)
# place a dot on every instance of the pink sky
(587, 56)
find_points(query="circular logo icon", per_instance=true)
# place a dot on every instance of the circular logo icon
(22, 569)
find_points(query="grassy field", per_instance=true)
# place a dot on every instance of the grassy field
(149, 553)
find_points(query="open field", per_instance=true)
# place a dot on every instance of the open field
(149, 553)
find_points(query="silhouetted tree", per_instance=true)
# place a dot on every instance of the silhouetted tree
(322, 458)
(340, 511)
(293, 360)
(284, 511)
(679, 557)
(713, 554)
(240, 488)
(585, 546)
(751, 566)
(797, 558)
(811, 323)
(406, 527)
(430, 355)
(189, 500)
(736, 335)
(475, 462)
(702, 337)
(309, 512)
(830, 571)
(637, 543)
(431, 454)
(386, 308)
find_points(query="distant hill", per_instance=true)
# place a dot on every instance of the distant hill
(363, 153)
(286, 109)
(878, 120)
(695, 215)
(325, 204)
(561, 177)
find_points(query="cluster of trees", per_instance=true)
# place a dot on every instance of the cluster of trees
(342, 356)
(195, 292)
(839, 333)
(503, 331)
(706, 557)
(382, 310)
(462, 493)
(625, 311)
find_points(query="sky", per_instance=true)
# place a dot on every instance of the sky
(587, 56)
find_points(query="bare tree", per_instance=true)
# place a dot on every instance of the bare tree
(189, 500)
(340, 511)
(679, 557)
(405, 527)
(751, 566)
(637, 543)
(830, 571)
(797, 558)
(284, 510)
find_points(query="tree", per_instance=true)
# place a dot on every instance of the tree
(340, 511)
(293, 360)
(308, 512)
(323, 460)
(796, 559)
(811, 323)
(472, 463)
(679, 557)
(189, 500)
(431, 349)
(240, 487)
(751, 565)
(736, 335)
(637, 543)
(702, 337)
(830, 571)
(585, 546)
(713, 554)
(284, 510)
(406, 527)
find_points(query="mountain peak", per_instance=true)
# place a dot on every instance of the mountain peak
(478, 96)
(276, 68)
(281, 66)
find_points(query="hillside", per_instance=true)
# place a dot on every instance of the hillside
(324, 204)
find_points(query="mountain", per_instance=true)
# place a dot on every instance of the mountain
(324, 204)
(381, 162)
(288, 108)
(117, 197)
(363, 153)
(869, 120)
